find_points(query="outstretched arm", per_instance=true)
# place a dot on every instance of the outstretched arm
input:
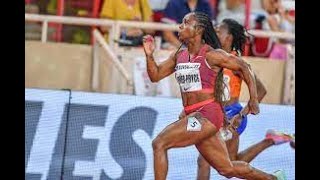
(222, 59)
(157, 72)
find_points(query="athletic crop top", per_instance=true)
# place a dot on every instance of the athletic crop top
(195, 74)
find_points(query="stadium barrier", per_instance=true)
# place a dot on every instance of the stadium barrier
(82, 135)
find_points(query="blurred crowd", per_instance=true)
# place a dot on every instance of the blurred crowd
(269, 15)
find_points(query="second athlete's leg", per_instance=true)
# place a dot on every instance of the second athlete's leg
(213, 149)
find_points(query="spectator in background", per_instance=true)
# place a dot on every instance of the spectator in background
(129, 10)
(176, 10)
(32, 29)
(278, 19)
(233, 9)
(214, 6)
(158, 5)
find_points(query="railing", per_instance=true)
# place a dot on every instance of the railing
(45, 19)
(115, 26)
(282, 35)
(142, 25)
(99, 40)
(114, 33)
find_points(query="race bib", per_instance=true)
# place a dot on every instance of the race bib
(193, 124)
(225, 134)
(226, 90)
(188, 76)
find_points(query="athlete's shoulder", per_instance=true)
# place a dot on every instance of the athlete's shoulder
(210, 49)
(214, 53)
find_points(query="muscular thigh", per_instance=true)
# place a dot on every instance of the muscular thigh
(214, 150)
(177, 135)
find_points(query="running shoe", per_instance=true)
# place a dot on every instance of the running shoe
(278, 137)
(280, 175)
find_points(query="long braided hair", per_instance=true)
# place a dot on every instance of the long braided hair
(210, 37)
(238, 33)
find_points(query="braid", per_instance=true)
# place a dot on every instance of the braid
(210, 37)
(238, 33)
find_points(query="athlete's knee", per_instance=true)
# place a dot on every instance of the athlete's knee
(237, 168)
(242, 166)
(227, 172)
(158, 144)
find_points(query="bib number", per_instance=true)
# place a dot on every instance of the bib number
(193, 124)
(226, 90)
(188, 76)
(226, 134)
